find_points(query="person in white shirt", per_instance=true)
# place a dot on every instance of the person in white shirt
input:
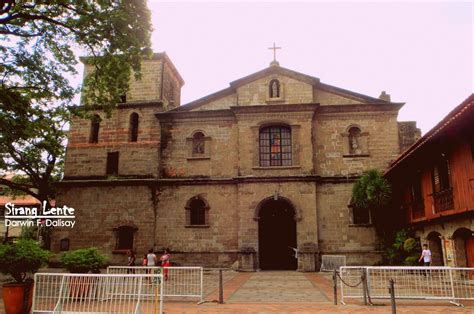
(426, 256)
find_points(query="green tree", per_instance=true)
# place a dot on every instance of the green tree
(38, 54)
(372, 192)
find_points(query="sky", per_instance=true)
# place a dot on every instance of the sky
(421, 53)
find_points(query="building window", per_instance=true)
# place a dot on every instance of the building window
(198, 144)
(275, 146)
(442, 191)
(197, 209)
(441, 175)
(124, 237)
(274, 88)
(112, 163)
(354, 141)
(95, 126)
(360, 216)
(133, 128)
(123, 98)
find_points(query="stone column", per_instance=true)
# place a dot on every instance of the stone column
(308, 257)
(247, 259)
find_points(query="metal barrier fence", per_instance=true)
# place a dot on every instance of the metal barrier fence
(332, 262)
(430, 283)
(179, 281)
(97, 293)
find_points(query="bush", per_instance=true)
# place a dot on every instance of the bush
(22, 258)
(404, 250)
(84, 260)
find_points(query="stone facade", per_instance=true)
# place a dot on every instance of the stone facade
(162, 176)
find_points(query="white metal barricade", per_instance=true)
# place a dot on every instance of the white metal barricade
(332, 262)
(430, 283)
(178, 281)
(97, 293)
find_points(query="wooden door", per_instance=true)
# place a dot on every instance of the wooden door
(470, 254)
(470, 251)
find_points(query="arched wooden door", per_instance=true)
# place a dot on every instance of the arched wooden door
(277, 236)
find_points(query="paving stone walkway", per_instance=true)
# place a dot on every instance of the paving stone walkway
(278, 287)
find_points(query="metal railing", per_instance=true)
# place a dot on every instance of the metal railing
(332, 262)
(430, 283)
(178, 281)
(443, 200)
(97, 293)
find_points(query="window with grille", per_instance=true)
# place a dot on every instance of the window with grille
(275, 146)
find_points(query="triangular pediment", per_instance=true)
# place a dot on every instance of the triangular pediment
(296, 88)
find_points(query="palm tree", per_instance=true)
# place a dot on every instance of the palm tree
(372, 192)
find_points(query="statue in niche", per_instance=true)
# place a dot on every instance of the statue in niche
(354, 145)
(198, 144)
(274, 89)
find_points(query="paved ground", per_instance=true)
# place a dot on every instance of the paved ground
(289, 292)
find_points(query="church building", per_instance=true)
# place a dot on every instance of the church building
(237, 178)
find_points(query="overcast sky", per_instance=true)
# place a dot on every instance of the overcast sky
(420, 53)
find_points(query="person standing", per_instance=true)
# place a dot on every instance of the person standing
(165, 262)
(151, 258)
(131, 261)
(426, 256)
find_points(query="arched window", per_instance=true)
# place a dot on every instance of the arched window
(198, 144)
(95, 126)
(124, 237)
(354, 141)
(197, 209)
(133, 128)
(274, 88)
(275, 146)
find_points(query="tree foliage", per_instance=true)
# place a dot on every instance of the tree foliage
(38, 56)
(371, 190)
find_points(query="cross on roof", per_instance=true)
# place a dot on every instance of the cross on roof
(274, 48)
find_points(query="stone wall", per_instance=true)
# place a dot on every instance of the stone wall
(221, 154)
(326, 98)
(136, 158)
(99, 210)
(291, 91)
(331, 142)
(336, 232)
(408, 134)
(216, 241)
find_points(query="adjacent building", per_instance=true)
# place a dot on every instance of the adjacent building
(434, 183)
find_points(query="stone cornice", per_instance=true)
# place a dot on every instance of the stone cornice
(360, 107)
(170, 115)
(275, 108)
(101, 181)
